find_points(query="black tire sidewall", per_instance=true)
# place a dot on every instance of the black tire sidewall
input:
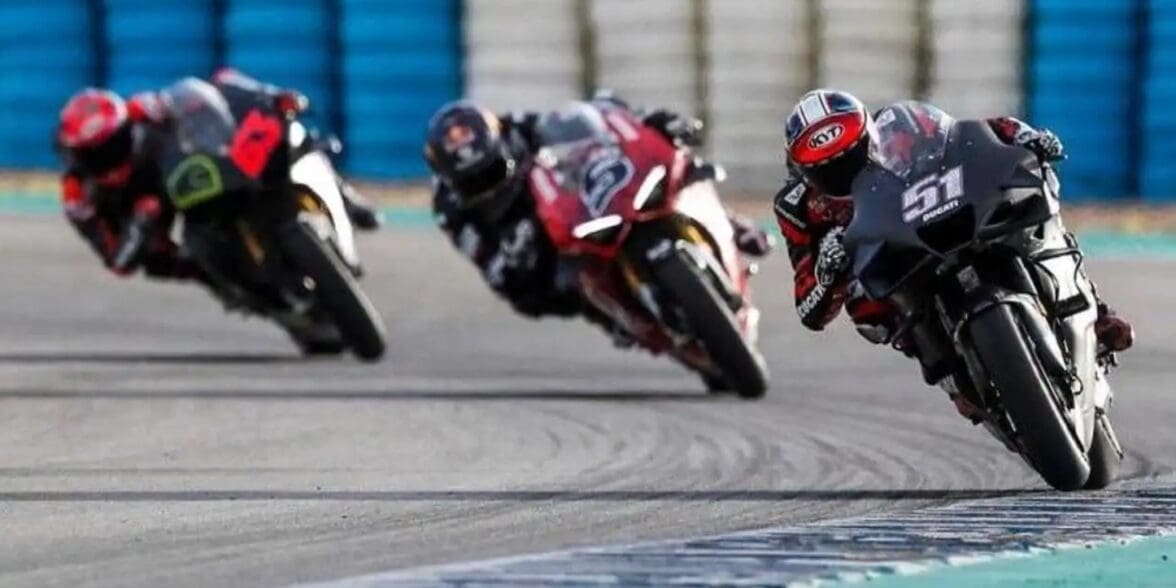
(337, 291)
(743, 369)
(999, 342)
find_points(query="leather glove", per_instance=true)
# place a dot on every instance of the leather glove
(686, 130)
(291, 102)
(518, 246)
(1044, 143)
(832, 259)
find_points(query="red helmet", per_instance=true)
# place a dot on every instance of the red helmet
(830, 136)
(95, 132)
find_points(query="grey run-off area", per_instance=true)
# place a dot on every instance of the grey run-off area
(149, 439)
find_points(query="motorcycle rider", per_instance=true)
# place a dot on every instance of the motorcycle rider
(113, 195)
(481, 202)
(814, 207)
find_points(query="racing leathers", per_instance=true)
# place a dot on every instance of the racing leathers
(125, 219)
(510, 247)
(124, 215)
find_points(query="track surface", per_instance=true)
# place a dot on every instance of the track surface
(146, 438)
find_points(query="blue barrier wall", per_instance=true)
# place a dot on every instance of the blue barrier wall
(150, 43)
(376, 69)
(1159, 116)
(401, 62)
(290, 44)
(46, 53)
(1082, 77)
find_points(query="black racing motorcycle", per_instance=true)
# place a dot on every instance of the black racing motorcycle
(962, 233)
(263, 215)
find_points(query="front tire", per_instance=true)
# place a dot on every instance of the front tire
(1027, 395)
(743, 368)
(337, 291)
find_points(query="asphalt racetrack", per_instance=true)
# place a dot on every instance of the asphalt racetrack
(148, 438)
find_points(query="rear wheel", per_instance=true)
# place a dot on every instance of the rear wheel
(1104, 458)
(714, 324)
(337, 291)
(1027, 396)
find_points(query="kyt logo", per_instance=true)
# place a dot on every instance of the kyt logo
(826, 135)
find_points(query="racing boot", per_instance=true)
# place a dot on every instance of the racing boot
(621, 339)
(1114, 333)
(749, 237)
(362, 214)
(962, 402)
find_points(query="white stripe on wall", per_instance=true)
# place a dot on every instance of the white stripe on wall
(645, 51)
(526, 54)
(758, 51)
(977, 57)
(521, 53)
(868, 48)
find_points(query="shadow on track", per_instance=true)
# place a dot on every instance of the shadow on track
(132, 357)
(389, 395)
(507, 495)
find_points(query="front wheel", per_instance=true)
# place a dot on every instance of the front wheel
(337, 291)
(713, 323)
(1027, 396)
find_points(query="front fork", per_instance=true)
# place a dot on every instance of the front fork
(1060, 275)
(682, 238)
(625, 293)
(652, 243)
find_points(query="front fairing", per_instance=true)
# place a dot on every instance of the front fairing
(212, 148)
(961, 185)
(593, 168)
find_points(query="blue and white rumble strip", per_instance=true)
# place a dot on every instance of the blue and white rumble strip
(829, 551)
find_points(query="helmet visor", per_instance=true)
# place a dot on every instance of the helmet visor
(100, 159)
(478, 185)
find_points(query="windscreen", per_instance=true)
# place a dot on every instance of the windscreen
(203, 121)
(571, 125)
(912, 138)
(580, 148)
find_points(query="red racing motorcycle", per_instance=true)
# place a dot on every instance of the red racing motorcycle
(649, 242)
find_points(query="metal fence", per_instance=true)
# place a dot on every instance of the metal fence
(739, 64)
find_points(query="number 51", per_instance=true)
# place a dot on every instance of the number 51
(930, 192)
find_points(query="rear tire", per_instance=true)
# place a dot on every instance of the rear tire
(1104, 459)
(714, 324)
(1027, 397)
(337, 291)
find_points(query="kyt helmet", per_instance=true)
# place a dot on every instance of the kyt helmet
(830, 136)
(94, 132)
(466, 149)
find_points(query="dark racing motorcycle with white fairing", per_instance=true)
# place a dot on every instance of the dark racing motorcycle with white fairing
(962, 233)
(264, 216)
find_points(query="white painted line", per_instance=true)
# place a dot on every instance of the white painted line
(838, 550)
